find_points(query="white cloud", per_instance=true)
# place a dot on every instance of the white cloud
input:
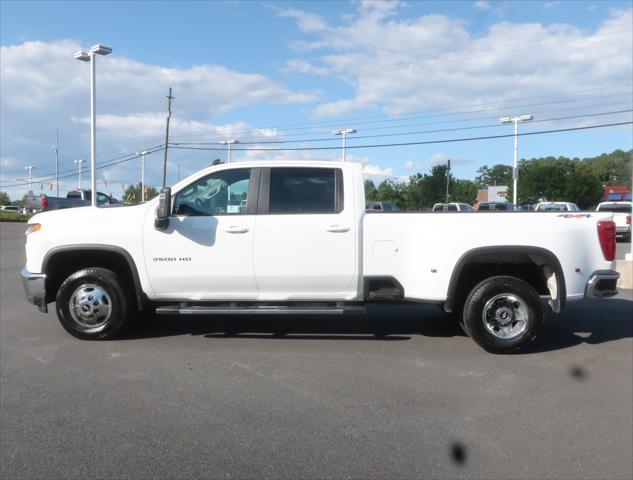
(42, 87)
(409, 165)
(483, 5)
(433, 62)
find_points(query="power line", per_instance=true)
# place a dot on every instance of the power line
(328, 139)
(440, 113)
(100, 165)
(383, 145)
(427, 142)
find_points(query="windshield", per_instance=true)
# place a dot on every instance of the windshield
(552, 207)
(614, 207)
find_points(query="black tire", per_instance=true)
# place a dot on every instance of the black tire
(95, 293)
(504, 299)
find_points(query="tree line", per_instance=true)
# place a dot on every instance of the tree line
(564, 179)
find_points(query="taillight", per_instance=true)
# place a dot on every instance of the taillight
(628, 219)
(606, 235)
(44, 202)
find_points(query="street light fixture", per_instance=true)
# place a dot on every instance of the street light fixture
(142, 155)
(345, 132)
(228, 143)
(80, 164)
(515, 169)
(30, 169)
(90, 57)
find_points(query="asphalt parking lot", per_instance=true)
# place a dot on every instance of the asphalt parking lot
(398, 393)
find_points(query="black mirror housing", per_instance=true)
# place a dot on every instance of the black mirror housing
(164, 209)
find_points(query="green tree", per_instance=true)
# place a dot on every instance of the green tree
(463, 191)
(392, 192)
(4, 198)
(370, 190)
(496, 175)
(133, 193)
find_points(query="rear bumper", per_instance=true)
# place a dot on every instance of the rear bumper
(602, 284)
(35, 288)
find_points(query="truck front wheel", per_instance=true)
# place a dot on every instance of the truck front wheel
(91, 304)
(503, 314)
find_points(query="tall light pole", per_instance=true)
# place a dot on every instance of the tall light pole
(448, 176)
(90, 57)
(345, 132)
(142, 155)
(515, 169)
(80, 163)
(56, 148)
(30, 169)
(228, 143)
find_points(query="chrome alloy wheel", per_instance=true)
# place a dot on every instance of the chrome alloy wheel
(506, 316)
(90, 306)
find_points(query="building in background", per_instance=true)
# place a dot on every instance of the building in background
(614, 193)
(496, 193)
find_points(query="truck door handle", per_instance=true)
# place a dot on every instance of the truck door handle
(337, 229)
(236, 229)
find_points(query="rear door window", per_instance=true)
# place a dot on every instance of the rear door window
(305, 190)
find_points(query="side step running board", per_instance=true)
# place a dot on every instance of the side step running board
(339, 309)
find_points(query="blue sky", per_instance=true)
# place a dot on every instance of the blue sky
(274, 71)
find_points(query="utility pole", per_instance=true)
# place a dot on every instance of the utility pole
(179, 172)
(169, 99)
(448, 176)
(30, 169)
(56, 147)
(80, 163)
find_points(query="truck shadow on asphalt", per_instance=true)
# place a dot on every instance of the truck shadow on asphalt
(590, 322)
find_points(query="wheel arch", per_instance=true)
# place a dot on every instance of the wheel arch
(59, 262)
(550, 266)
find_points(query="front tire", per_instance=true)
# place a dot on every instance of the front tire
(503, 314)
(91, 305)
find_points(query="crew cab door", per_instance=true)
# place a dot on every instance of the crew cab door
(305, 235)
(207, 250)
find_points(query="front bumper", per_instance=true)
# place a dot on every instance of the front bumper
(602, 284)
(35, 288)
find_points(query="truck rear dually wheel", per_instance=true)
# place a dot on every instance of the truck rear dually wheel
(91, 304)
(503, 314)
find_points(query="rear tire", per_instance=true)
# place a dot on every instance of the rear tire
(91, 305)
(503, 314)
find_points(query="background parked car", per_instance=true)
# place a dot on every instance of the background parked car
(497, 207)
(381, 207)
(452, 207)
(11, 208)
(556, 207)
(621, 216)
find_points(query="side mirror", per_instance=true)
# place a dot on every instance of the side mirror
(164, 209)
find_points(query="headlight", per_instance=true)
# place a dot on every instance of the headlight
(33, 227)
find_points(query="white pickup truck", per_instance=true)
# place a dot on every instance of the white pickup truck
(294, 238)
(621, 216)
